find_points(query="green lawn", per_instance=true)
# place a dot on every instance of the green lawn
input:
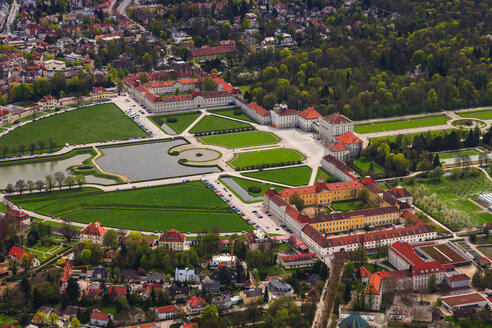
(364, 164)
(3, 208)
(411, 135)
(84, 125)
(184, 120)
(390, 125)
(186, 207)
(243, 88)
(246, 183)
(484, 114)
(109, 309)
(216, 123)
(242, 139)
(453, 154)
(232, 113)
(272, 156)
(293, 176)
(455, 194)
(347, 205)
(327, 177)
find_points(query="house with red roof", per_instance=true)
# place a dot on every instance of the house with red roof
(456, 283)
(283, 117)
(19, 217)
(173, 239)
(93, 233)
(117, 291)
(165, 312)
(98, 93)
(338, 150)
(48, 103)
(255, 111)
(196, 305)
(18, 254)
(100, 319)
(307, 118)
(297, 261)
(211, 53)
(401, 194)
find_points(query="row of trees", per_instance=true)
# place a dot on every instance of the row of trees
(50, 182)
(32, 147)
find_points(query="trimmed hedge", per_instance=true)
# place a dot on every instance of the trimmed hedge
(264, 166)
(225, 131)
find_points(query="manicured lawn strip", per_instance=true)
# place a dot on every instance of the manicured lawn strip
(272, 156)
(230, 113)
(433, 133)
(243, 88)
(484, 114)
(84, 125)
(82, 103)
(239, 140)
(347, 205)
(246, 183)
(453, 154)
(327, 177)
(215, 123)
(455, 194)
(184, 120)
(293, 176)
(187, 207)
(364, 164)
(55, 224)
(109, 309)
(401, 124)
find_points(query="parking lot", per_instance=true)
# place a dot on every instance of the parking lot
(138, 114)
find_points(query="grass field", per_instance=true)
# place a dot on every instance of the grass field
(271, 156)
(215, 123)
(231, 113)
(188, 207)
(453, 154)
(390, 125)
(484, 114)
(85, 125)
(183, 120)
(240, 140)
(455, 194)
(411, 135)
(364, 164)
(246, 183)
(348, 205)
(327, 177)
(293, 176)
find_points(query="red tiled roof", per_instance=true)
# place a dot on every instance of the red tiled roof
(18, 252)
(367, 180)
(458, 277)
(19, 215)
(258, 109)
(310, 113)
(172, 235)
(299, 257)
(335, 147)
(318, 187)
(118, 290)
(366, 212)
(374, 284)
(282, 111)
(190, 325)
(348, 138)
(99, 315)
(207, 51)
(167, 309)
(418, 265)
(196, 301)
(337, 118)
(364, 272)
(94, 229)
(161, 84)
(98, 89)
(46, 98)
(399, 192)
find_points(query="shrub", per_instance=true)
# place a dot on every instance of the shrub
(254, 189)
(174, 153)
(237, 112)
(171, 119)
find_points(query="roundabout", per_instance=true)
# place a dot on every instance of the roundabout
(468, 123)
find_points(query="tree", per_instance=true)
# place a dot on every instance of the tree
(363, 195)
(26, 261)
(80, 180)
(432, 283)
(473, 238)
(69, 181)
(297, 201)
(5, 150)
(75, 323)
(10, 188)
(209, 84)
(32, 147)
(53, 318)
(210, 313)
(30, 185)
(41, 145)
(86, 255)
(437, 161)
(20, 186)
(73, 290)
(266, 297)
(59, 177)
(110, 239)
(50, 182)
(436, 173)
(68, 231)
(40, 185)
(22, 148)
(52, 144)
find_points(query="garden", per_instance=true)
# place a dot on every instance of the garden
(212, 123)
(484, 114)
(233, 113)
(293, 176)
(254, 188)
(327, 177)
(239, 140)
(188, 207)
(266, 158)
(177, 121)
(79, 126)
(366, 165)
(401, 124)
(454, 154)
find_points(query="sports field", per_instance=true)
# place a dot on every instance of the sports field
(216, 123)
(390, 125)
(232, 113)
(293, 176)
(484, 114)
(272, 156)
(239, 140)
(79, 126)
(188, 207)
(443, 254)
(183, 120)
(454, 154)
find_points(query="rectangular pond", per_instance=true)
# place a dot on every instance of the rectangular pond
(148, 161)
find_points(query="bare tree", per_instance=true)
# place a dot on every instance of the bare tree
(32, 147)
(30, 185)
(5, 150)
(22, 148)
(59, 177)
(50, 182)
(20, 186)
(69, 181)
(40, 185)
(10, 188)
(41, 145)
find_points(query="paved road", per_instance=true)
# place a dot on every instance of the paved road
(14, 9)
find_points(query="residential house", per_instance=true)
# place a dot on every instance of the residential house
(186, 275)
(166, 312)
(136, 315)
(93, 233)
(177, 292)
(228, 275)
(210, 286)
(72, 312)
(223, 302)
(251, 296)
(17, 254)
(279, 288)
(100, 319)
(196, 305)
(117, 291)
(98, 93)
(173, 239)
(148, 288)
(48, 103)
(94, 289)
(99, 273)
